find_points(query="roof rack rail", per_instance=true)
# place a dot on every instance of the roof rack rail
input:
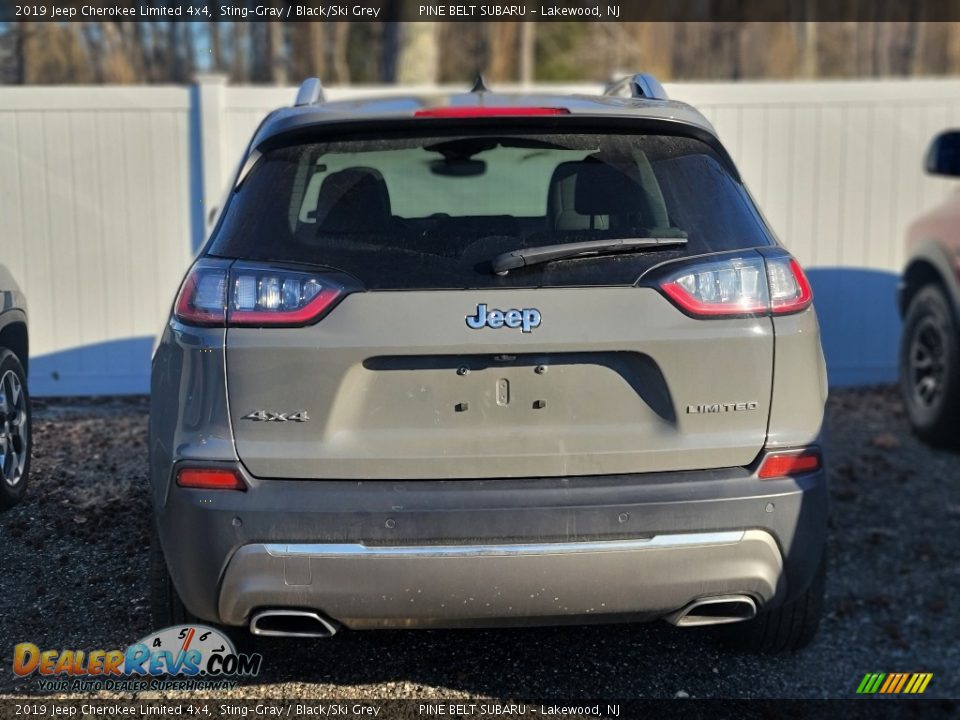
(310, 92)
(641, 85)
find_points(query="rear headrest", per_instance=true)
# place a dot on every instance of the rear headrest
(602, 189)
(353, 200)
(560, 212)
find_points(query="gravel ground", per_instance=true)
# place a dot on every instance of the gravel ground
(74, 563)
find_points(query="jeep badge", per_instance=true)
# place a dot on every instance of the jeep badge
(526, 319)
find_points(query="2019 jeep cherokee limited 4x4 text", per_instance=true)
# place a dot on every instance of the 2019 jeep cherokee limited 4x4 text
(488, 359)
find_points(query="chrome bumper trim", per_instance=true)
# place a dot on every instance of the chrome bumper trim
(318, 550)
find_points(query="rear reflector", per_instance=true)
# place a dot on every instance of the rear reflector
(780, 465)
(210, 479)
(481, 111)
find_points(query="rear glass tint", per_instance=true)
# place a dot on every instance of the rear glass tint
(432, 212)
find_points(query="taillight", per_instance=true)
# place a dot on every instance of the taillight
(210, 479)
(721, 287)
(255, 296)
(787, 464)
(202, 298)
(264, 296)
(751, 285)
(473, 111)
(789, 288)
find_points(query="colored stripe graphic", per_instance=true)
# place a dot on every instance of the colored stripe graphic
(891, 680)
(894, 683)
(870, 683)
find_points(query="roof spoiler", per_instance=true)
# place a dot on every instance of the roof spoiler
(310, 92)
(641, 85)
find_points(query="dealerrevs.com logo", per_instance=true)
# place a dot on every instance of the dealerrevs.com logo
(190, 657)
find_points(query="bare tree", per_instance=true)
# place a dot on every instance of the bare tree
(501, 51)
(26, 51)
(307, 48)
(216, 46)
(652, 48)
(275, 52)
(316, 49)
(809, 49)
(341, 65)
(239, 67)
(127, 52)
(462, 47)
(189, 51)
(111, 56)
(953, 48)
(174, 53)
(528, 42)
(418, 53)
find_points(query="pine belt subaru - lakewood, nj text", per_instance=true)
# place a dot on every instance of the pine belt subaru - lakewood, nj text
(489, 359)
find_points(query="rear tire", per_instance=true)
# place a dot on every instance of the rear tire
(16, 439)
(930, 367)
(787, 628)
(166, 607)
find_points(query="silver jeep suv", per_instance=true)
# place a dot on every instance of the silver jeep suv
(490, 359)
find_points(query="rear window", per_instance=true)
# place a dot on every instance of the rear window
(432, 212)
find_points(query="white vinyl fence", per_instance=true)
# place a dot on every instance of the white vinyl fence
(95, 200)
(105, 192)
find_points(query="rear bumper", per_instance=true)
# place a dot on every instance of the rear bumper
(471, 585)
(488, 552)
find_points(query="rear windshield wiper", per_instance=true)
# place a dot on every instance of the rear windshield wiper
(504, 263)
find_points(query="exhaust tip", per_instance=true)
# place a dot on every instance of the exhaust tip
(717, 610)
(292, 623)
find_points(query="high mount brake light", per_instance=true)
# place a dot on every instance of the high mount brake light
(778, 465)
(750, 285)
(481, 111)
(251, 296)
(210, 479)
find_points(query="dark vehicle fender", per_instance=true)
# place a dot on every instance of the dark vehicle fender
(13, 331)
(928, 263)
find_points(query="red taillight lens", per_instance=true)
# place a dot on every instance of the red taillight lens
(210, 479)
(740, 286)
(480, 111)
(202, 298)
(778, 465)
(255, 296)
(734, 286)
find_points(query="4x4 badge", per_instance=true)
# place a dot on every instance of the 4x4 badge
(526, 319)
(264, 416)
